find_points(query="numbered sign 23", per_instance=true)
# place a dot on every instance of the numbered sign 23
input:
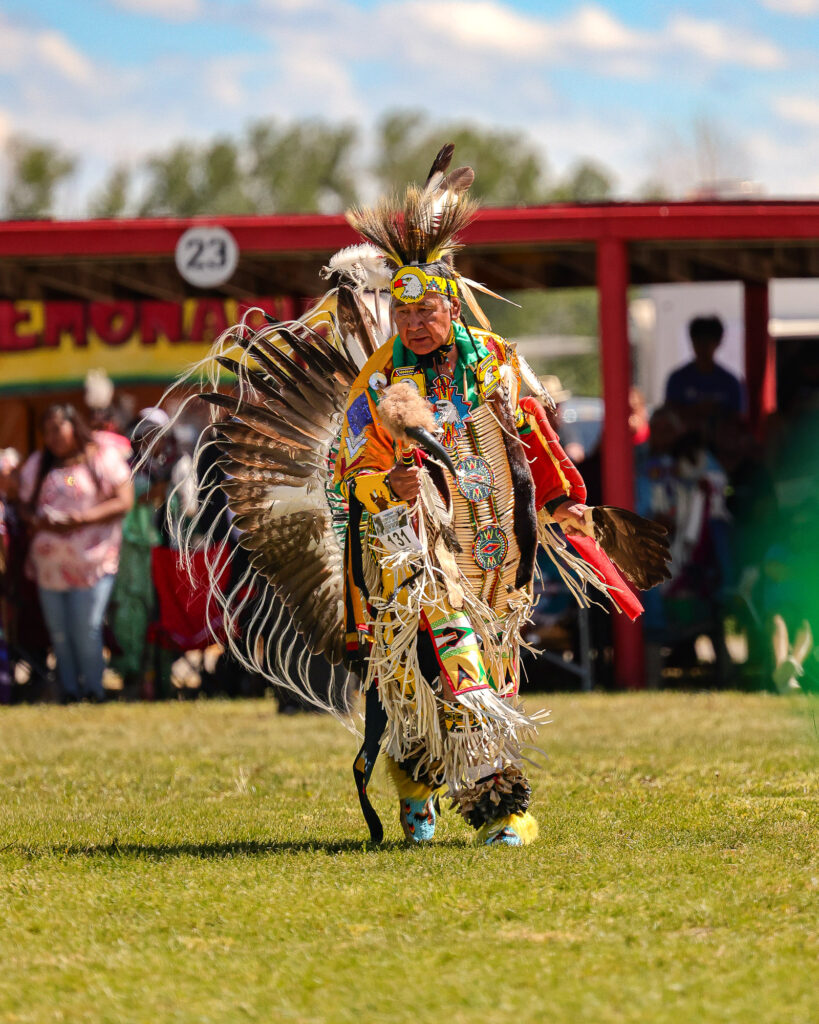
(206, 256)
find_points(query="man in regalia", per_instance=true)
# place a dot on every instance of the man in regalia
(390, 484)
(440, 619)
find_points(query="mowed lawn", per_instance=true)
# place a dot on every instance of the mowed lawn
(207, 862)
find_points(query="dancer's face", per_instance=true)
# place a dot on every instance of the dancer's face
(424, 326)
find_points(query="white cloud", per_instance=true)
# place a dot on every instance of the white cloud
(57, 51)
(786, 168)
(26, 50)
(801, 8)
(592, 28)
(799, 109)
(305, 86)
(225, 81)
(168, 10)
(471, 25)
(493, 29)
(439, 34)
(590, 32)
(723, 44)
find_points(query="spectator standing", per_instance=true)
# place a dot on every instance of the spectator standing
(703, 392)
(9, 462)
(133, 601)
(637, 416)
(679, 484)
(76, 492)
(25, 630)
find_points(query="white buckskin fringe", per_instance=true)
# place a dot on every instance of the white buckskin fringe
(486, 727)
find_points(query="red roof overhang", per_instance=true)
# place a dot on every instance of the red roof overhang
(507, 249)
(726, 221)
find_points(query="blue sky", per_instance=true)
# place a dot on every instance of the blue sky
(629, 83)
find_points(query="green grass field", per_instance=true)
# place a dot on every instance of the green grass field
(206, 862)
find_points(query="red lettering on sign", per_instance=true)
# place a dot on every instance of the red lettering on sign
(63, 318)
(254, 309)
(250, 312)
(10, 339)
(27, 326)
(281, 308)
(6, 313)
(209, 320)
(21, 325)
(160, 320)
(114, 322)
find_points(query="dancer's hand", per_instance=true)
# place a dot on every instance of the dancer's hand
(405, 481)
(570, 517)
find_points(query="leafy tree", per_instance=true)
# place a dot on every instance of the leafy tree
(224, 186)
(653, 190)
(112, 199)
(559, 311)
(587, 182)
(302, 168)
(172, 186)
(510, 169)
(305, 167)
(190, 179)
(36, 170)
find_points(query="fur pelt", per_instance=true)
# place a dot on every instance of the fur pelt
(402, 406)
(523, 486)
(505, 793)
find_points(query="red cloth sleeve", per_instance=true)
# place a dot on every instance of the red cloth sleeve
(554, 474)
(620, 591)
(553, 471)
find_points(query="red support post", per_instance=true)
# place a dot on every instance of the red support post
(760, 356)
(618, 449)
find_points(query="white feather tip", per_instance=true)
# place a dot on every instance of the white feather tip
(362, 264)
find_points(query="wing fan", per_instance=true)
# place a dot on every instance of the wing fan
(637, 546)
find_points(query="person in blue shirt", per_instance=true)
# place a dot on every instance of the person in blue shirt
(702, 392)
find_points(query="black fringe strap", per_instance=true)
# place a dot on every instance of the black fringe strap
(375, 721)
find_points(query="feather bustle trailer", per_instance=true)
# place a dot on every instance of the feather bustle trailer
(277, 396)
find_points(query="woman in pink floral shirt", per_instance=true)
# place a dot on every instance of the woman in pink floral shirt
(76, 492)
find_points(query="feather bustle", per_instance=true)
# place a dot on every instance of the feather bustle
(260, 419)
(356, 320)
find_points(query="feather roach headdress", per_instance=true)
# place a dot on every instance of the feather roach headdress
(418, 233)
(417, 237)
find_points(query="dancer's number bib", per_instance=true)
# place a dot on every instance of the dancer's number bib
(394, 530)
